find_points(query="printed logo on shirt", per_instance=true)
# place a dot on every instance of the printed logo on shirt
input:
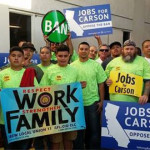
(6, 78)
(117, 68)
(58, 78)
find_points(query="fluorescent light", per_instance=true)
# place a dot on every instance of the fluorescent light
(17, 27)
(26, 4)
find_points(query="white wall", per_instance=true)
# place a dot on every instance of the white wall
(138, 23)
(4, 29)
(37, 37)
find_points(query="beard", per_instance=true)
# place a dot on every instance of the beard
(129, 57)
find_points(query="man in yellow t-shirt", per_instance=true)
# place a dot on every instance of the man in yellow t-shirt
(92, 77)
(130, 63)
(11, 78)
(61, 73)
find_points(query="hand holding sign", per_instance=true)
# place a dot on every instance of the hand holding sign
(109, 82)
(125, 83)
(143, 99)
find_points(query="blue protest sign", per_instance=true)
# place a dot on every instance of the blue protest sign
(35, 59)
(90, 20)
(38, 111)
(125, 125)
(4, 59)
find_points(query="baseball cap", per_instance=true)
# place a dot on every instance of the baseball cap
(15, 48)
(115, 43)
(28, 45)
(129, 43)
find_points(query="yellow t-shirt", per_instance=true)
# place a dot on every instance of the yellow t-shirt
(10, 79)
(91, 72)
(138, 67)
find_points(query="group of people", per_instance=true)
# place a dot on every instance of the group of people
(91, 67)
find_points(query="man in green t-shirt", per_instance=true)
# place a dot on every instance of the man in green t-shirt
(11, 78)
(61, 73)
(45, 57)
(92, 77)
(130, 63)
(29, 49)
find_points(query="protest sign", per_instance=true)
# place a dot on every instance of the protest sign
(89, 20)
(54, 25)
(37, 111)
(125, 83)
(125, 125)
(4, 59)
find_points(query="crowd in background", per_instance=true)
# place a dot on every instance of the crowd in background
(91, 66)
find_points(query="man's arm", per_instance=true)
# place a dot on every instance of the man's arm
(46, 41)
(98, 38)
(101, 94)
(144, 98)
(69, 43)
(109, 82)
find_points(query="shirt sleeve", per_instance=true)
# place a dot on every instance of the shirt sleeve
(45, 79)
(36, 82)
(108, 69)
(0, 82)
(146, 70)
(101, 76)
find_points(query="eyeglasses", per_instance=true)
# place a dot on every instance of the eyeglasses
(104, 50)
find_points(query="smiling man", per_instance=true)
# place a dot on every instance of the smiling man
(29, 49)
(92, 75)
(146, 50)
(103, 53)
(93, 52)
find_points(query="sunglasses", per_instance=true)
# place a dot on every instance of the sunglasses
(57, 44)
(104, 50)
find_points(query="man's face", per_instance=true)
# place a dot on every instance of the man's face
(116, 51)
(83, 51)
(103, 52)
(146, 49)
(16, 59)
(129, 53)
(28, 53)
(93, 52)
(54, 46)
(45, 55)
(62, 58)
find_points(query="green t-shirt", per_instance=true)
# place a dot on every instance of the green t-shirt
(10, 79)
(39, 72)
(59, 75)
(44, 68)
(53, 57)
(138, 67)
(91, 72)
(74, 56)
